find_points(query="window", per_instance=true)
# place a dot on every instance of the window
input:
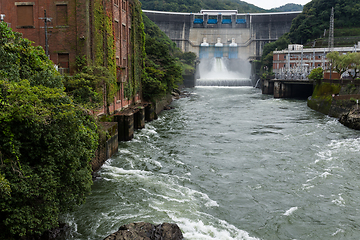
(124, 32)
(63, 62)
(117, 29)
(61, 15)
(124, 5)
(25, 15)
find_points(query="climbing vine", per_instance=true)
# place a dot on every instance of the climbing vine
(137, 36)
(104, 41)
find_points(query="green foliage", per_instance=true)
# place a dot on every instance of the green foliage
(196, 6)
(164, 62)
(321, 98)
(316, 74)
(46, 142)
(19, 60)
(314, 19)
(104, 44)
(137, 68)
(326, 90)
(88, 87)
(349, 62)
(289, 7)
(5, 189)
(267, 57)
(81, 62)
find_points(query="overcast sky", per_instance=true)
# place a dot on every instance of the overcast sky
(268, 4)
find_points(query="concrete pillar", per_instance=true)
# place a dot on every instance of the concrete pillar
(282, 90)
(267, 86)
(248, 21)
(233, 20)
(150, 113)
(277, 89)
(219, 19)
(139, 118)
(192, 19)
(125, 126)
(206, 18)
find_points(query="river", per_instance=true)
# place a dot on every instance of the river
(231, 163)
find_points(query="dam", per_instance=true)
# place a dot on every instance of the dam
(236, 38)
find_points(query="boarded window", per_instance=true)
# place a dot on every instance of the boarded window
(61, 15)
(117, 30)
(124, 32)
(25, 16)
(63, 60)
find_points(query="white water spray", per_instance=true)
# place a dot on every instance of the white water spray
(215, 72)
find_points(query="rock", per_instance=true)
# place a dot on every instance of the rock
(351, 119)
(147, 231)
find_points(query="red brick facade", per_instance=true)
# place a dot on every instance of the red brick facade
(71, 32)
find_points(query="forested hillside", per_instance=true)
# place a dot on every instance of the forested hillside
(315, 18)
(197, 5)
(290, 7)
(164, 63)
(312, 22)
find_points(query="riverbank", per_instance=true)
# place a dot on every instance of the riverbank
(121, 125)
(338, 100)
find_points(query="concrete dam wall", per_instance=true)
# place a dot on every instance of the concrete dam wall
(250, 32)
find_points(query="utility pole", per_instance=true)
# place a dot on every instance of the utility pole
(46, 20)
(331, 36)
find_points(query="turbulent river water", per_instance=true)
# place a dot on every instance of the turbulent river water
(231, 163)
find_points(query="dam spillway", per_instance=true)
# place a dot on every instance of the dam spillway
(218, 72)
(251, 31)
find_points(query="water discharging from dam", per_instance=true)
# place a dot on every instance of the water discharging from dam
(221, 72)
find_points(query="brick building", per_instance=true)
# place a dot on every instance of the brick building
(295, 56)
(96, 30)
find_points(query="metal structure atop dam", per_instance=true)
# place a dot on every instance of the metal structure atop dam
(223, 33)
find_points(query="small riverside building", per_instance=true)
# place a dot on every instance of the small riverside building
(296, 58)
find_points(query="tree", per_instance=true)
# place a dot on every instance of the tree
(163, 62)
(315, 18)
(342, 63)
(317, 75)
(46, 142)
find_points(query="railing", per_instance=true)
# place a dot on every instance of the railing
(198, 21)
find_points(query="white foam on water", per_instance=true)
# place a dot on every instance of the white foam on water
(339, 201)
(337, 231)
(290, 211)
(221, 230)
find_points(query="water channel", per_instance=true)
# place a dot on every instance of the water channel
(231, 163)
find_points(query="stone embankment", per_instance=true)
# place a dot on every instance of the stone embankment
(342, 105)
(122, 126)
(147, 231)
(351, 119)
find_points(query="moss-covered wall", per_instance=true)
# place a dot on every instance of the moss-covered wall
(104, 44)
(137, 58)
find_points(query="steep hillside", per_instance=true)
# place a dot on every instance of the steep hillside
(290, 7)
(197, 5)
(164, 64)
(315, 18)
